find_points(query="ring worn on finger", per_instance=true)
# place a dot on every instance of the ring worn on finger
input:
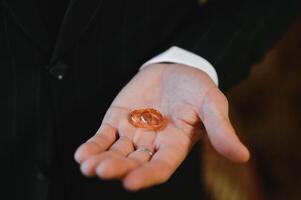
(146, 150)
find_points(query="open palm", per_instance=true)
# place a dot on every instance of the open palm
(193, 106)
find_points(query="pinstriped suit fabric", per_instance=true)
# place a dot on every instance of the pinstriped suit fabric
(102, 43)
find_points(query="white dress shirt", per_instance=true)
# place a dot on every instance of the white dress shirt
(181, 56)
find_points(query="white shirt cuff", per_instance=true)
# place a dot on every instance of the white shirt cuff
(182, 56)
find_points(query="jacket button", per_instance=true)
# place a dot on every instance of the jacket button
(40, 172)
(40, 176)
(58, 70)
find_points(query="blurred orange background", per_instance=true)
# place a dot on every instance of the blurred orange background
(266, 111)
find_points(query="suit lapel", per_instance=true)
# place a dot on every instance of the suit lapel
(26, 15)
(78, 17)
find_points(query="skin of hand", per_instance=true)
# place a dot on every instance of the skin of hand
(193, 105)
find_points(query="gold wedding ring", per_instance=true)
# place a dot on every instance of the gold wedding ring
(148, 118)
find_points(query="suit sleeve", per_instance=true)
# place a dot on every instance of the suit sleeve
(233, 34)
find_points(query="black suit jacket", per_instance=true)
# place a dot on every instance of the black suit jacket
(53, 100)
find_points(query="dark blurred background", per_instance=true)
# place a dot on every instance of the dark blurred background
(266, 111)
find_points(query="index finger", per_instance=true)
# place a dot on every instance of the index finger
(100, 142)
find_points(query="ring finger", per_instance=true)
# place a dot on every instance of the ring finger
(145, 146)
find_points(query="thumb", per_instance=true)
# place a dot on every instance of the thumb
(214, 114)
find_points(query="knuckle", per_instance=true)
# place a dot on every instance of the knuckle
(225, 99)
(101, 138)
(125, 140)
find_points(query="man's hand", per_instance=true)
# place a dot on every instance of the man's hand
(194, 106)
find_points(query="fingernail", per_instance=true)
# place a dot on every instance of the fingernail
(78, 156)
(85, 168)
(103, 171)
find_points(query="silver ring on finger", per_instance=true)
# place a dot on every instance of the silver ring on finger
(147, 150)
